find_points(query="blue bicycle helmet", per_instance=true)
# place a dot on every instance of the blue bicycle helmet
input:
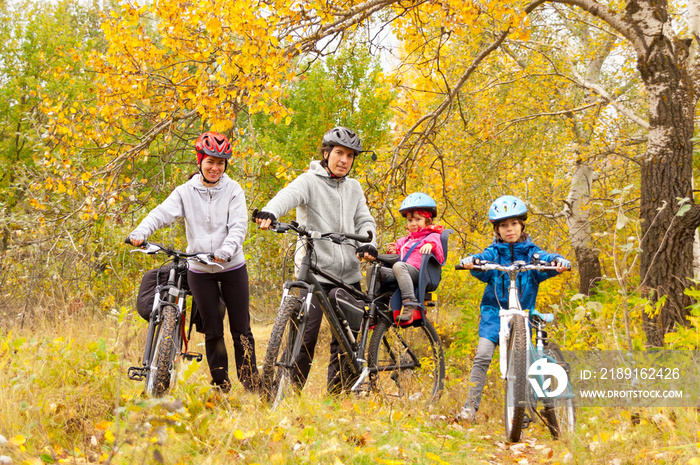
(506, 207)
(418, 201)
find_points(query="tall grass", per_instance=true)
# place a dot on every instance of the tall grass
(65, 397)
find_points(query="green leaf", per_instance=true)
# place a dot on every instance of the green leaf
(683, 210)
(46, 458)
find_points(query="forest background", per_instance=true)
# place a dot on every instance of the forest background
(585, 110)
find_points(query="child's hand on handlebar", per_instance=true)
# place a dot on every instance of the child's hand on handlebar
(391, 249)
(561, 264)
(468, 262)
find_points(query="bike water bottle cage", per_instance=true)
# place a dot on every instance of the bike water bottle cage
(506, 207)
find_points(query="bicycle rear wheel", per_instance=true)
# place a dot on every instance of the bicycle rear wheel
(161, 373)
(407, 363)
(564, 406)
(282, 352)
(516, 379)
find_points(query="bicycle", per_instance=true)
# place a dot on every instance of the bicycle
(402, 362)
(166, 327)
(515, 362)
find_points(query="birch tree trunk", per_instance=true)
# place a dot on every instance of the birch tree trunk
(577, 214)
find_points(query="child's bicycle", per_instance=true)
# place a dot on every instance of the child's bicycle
(399, 362)
(166, 327)
(530, 370)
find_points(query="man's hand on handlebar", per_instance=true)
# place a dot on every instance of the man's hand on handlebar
(367, 252)
(265, 219)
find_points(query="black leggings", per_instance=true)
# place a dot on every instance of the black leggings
(234, 290)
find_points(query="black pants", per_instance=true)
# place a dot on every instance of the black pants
(335, 379)
(234, 291)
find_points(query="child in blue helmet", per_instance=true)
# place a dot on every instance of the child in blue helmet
(511, 243)
(423, 238)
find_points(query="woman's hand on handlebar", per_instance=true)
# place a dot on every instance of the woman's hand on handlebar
(135, 239)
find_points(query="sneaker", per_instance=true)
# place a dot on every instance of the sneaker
(407, 312)
(467, 414)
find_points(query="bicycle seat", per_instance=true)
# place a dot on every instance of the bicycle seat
(388, 259)
(429, 277)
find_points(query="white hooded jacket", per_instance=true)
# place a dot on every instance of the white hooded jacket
(326, 204)
(215, 218)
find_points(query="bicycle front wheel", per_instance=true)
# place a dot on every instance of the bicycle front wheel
(564, 406)
(161, 373)
(282, 352)
(406, 363)
(516, 379)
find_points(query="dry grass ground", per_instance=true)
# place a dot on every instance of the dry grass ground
(65, 397)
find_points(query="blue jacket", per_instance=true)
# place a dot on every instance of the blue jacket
(496, 292)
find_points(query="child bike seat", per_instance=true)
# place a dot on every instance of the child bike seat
(429, 276)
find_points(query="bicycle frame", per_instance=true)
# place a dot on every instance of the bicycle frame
(353, 348)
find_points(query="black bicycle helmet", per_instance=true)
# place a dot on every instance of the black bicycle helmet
(340, 135)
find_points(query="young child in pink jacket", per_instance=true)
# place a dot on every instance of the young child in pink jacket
(423, 238)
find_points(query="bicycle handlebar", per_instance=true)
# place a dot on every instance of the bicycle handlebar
(151, 248)
(300, 230)
(516, 266)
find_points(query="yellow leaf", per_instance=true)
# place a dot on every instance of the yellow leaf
(18, 440)
(109, 436)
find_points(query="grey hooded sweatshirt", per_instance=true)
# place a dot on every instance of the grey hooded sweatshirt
(326, 204)
(215, 218)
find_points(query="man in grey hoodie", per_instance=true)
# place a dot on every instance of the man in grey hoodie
(327, 201)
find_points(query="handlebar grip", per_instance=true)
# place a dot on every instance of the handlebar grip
(359, 238)
(128, 240)
(459, 266)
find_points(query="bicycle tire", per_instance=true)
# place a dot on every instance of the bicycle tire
(390, 344)
(516, 379)
(564, 420)
(281, 353)
(161, 373)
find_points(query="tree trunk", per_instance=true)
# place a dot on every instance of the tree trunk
(666, 171)
(577, 214)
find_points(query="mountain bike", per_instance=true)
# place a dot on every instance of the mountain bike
(166, 336)
(524, 366)
(397, 362)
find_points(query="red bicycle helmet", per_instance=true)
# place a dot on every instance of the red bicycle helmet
(212, 144)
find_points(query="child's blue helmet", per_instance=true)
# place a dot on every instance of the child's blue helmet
(418, 201)
(506, 207)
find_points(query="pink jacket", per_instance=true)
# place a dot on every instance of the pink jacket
(429, 235)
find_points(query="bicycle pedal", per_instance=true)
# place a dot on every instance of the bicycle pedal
(526, 421)
(193, 356)
(136, 373)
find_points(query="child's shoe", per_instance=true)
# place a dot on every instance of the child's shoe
(407, 311)
(467, 414)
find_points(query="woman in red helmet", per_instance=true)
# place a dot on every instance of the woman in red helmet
(214, 208)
